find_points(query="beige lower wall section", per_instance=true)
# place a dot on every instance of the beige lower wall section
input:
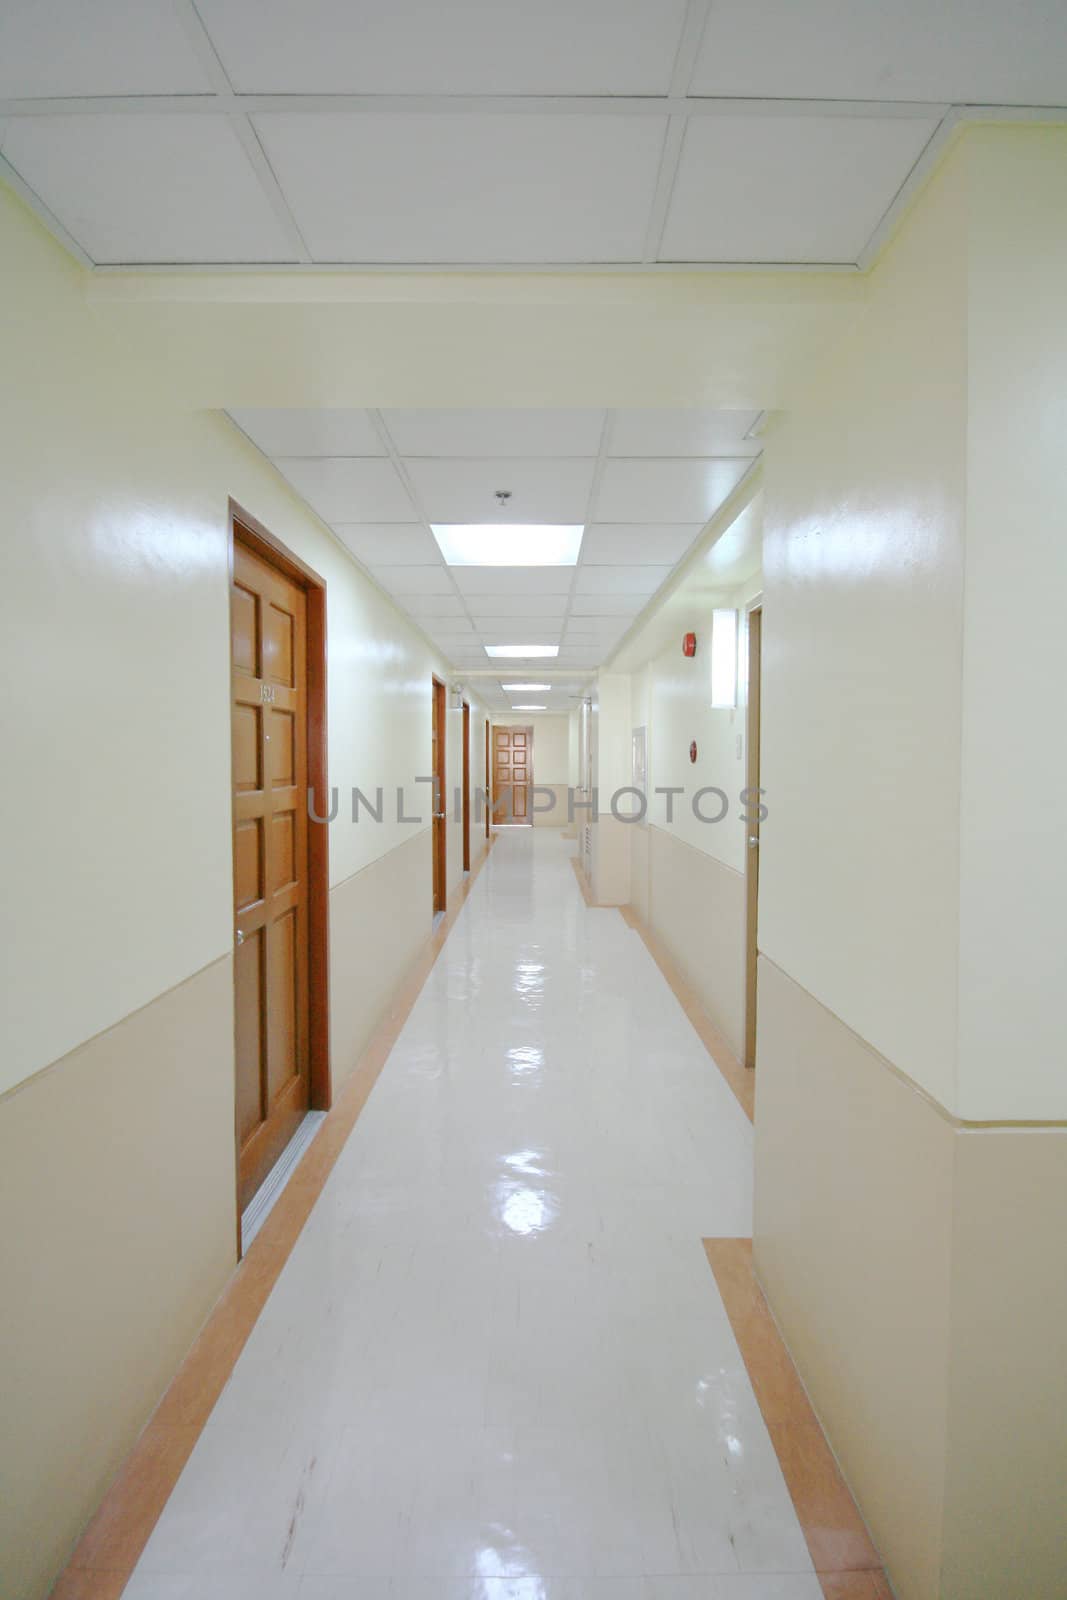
(852, 1237)
(696, 906)
(554, 815)
(1006, 1490)
(917, 1271)
(117, 1194)
(639, 857)
(379, 920)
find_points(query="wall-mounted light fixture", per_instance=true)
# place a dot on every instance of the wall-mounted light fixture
(724, 658)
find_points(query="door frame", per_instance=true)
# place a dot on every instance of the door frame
(754, 648)
(466, 786)
(439, 822)
(488, 781)
(245, 529)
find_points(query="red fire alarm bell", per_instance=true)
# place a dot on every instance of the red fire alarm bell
(689, 644)
(693, 751)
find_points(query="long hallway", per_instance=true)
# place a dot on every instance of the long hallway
(496, 1364)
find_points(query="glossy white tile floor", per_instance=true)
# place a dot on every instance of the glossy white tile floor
(496, 1366)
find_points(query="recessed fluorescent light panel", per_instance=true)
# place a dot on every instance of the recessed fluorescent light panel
(529, 708)
(508, 544)
(526, 688)
(522, 651)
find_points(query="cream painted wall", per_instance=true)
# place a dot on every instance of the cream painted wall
(913, 879)
(863, 564)
(1013, 864)
(114, 633)
(687, 876)
(613, 770)
(680, 711)
(115, 589)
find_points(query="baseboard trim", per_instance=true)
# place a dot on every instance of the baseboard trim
(842, 1551)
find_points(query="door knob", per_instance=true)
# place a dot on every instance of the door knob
(240, 937)
(753, 841)
(439, 816)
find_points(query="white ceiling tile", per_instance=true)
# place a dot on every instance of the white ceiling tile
(405, 581)
(450, 627)
(433, 607)
(310, 432)
(666, 491)
(962, 50)
(57, 47)
(154, 188)
(587, 607)
(592, 628)
(506, 628)
(397, 544)
(517, 605)
(465, 47)
(787, 188)
(500, 432)
(637, 544)
(475, 188)
(464, 491)
(513, 580)
(666, 431)
(582, 655)
(349, 490)
(619, 580)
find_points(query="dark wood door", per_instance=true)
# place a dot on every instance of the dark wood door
(439, 801)
(270, 853)
(512, 774)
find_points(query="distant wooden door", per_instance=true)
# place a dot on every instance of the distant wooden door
(512, 774)
(752, 780)
(466, 787)
(270, 853)
(488, 807)
(437, 756)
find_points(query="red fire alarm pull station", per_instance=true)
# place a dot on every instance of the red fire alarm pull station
(693, 751)
(689, 644)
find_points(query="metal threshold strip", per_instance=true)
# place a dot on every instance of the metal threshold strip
(259, 1207)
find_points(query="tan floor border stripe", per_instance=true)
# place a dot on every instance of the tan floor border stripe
(846, 1561)
(111, 1545)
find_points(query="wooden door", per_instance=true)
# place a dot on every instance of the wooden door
(439, 793)
(488, 807)
(752, 776)
(270, 855)
(512, 774)
(466, 787)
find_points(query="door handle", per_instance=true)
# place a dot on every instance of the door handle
(439, 816)
(239, 938)
(753, 841)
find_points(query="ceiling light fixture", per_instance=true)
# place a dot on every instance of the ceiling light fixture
(526, 688)
(529, 708)
(508, 544)
(521, 651)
